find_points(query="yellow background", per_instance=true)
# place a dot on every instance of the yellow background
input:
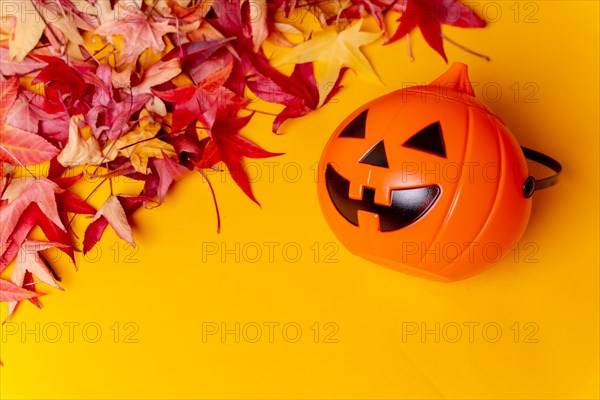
(170, 292)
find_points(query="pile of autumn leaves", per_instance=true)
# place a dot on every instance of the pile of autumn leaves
(151, 89)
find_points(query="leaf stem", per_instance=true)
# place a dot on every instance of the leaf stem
(212, 191)
(94, 189)
(17, 160)
(95, 53)
(460, 46)
(409, 48)
(46, 23)
(113, 173)
(182, 130)
(145, 140)
(259, 112)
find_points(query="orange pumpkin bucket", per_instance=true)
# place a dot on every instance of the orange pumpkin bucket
(427, 180)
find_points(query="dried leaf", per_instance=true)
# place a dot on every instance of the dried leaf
(138, 31)
(429, 15)
(140, 144)
(11, 292)
(80, 151)
(113, 211)
(331, 51)
(17, 146)
(29, 260)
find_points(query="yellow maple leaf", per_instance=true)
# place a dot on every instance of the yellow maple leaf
(258, 22)
(29, 26)
(140, 144)
(332, 50)
(80, 150)
(31, 18)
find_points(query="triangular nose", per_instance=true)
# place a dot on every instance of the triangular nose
(376, 156)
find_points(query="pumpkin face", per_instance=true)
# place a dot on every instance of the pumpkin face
(426, 180)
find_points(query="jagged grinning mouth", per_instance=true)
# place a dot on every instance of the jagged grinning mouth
(407, 205)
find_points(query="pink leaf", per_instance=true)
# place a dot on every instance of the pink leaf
(18, 146)
(140, 32)
(168, 171)
(20, 193)
(29, 260)
(11, 292)
(113, 211)
(93, 233)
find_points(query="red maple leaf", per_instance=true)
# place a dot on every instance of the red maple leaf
(193, 54)
(298, 92)
(165, 171)
(11, 292)
(35, 113)
(30, 260)
(16, 145)
(377, 8)
(230, 21)
(29, 284)
(137, 29)
(36, 201)
(115, 212)
(188, 15)
(429, 15)
(205, 102)
(31, 217)
(226, 144)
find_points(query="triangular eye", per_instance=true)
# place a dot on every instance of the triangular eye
(356, 128)
(428, 139)
(376, 156)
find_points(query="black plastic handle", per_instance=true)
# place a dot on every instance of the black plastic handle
(532, 184)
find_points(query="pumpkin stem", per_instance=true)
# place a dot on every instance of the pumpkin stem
(457, 77)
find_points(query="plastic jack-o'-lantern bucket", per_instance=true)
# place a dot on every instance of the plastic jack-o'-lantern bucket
(427, 180)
